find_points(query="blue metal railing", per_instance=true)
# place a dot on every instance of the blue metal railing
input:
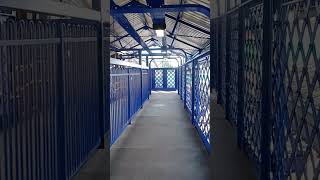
(130, 88)
(266, 54)
(195, 93)
(49, 98)
(164, 79)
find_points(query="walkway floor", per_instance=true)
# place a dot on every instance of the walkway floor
(161, 144)
(228, 162)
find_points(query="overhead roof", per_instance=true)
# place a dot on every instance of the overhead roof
(189, 31)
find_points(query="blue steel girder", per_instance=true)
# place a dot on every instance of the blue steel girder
(189, 24)
(173, 49)
(125, 24)
(136, 7)
(175, 25)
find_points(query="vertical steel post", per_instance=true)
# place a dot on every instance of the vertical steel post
(165, 78)
(185, 85)
(129, 97)
(60, 77)
(141, 78)
(103, 118)
(176, 79)
(100, 83)
(212, 54)
(227, 78)
(147, 61)
(219, 64)
(217, 57)
(240, 105)
(266, 118)
(193, 91)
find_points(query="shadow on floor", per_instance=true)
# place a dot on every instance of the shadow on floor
(227, 161)
(96, 168)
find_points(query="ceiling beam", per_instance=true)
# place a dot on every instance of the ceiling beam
(124, 36)
(125, 24)
(137, 7)
(175, 25)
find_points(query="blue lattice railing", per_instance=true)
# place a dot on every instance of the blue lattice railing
(273, 92)
(195, 93)
(164, 79)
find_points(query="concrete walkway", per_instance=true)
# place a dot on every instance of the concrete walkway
(161, 144)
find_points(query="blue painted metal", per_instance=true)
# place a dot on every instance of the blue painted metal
(266, 100)
(129, 90)
(189, 87)
(195, 92)
(61, 155)
(125, 24)
(168, 49)
(124, 36)
(136, 7)
(223, 59)
(175, 25)
(50, 121)
(158, 18)
(164, 79)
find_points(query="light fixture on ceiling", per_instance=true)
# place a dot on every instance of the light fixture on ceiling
(160, 32)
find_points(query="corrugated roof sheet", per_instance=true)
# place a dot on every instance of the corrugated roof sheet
(185, 34)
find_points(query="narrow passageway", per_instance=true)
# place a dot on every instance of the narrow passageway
(160, 144)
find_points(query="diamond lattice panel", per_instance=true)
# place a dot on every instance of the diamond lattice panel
(202, 95)
(252, 81)
(297, 91)
(189, 86)
(158, 78)
(171, 78)
(234, 49)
